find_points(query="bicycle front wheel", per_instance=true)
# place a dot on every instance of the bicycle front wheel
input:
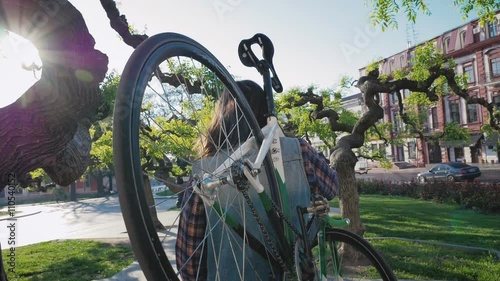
(166, 101)
(348, 256)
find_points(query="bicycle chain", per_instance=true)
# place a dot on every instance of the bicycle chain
(274, 251)
(264, 231)
(284, 218)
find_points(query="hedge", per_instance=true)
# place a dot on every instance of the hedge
(484, 197)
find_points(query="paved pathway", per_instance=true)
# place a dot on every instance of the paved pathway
(90, 218)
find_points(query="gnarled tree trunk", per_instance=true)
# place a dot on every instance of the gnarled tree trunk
(48, 126)
(344, 160)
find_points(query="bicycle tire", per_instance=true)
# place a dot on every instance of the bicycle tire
(368, 264)
(145, 64)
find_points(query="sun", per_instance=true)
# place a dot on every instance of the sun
(16, 55)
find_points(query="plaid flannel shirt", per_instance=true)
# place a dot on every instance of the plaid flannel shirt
(322, 179)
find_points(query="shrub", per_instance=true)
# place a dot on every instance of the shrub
(472, 195)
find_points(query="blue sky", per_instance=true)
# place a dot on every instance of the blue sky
(316, 42)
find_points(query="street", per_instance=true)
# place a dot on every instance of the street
(488, 174)
(90, 218)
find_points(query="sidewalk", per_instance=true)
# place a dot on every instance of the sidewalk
(132, 272)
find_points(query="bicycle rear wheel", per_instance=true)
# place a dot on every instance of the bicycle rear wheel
(165, 102)
(350, 257)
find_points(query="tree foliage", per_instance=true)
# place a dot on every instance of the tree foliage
(384, 12)
(101, 130)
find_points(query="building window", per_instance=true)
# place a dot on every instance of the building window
(455, 112)
(459, 154)
(462, 39)
(446, 45)
(411, 57)
(398, 123)
(400, 153)
(412, 150)
(435, 123)
(493, 28)
(495, 66)
(381, 148)
(472, 113)
(469, 70)
(496, 102)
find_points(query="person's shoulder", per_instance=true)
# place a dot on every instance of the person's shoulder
(304, 142)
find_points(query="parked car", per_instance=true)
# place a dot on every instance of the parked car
(452, 171)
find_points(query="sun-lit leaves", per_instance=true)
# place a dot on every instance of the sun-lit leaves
(454, 131)
(374, 65)
(399, 74)
(418, 99)
(37, 173)
(426, 57)
(109, 87)
(384, 12)
(462, 80)
(102, 150)
(296, 108)
(348, 117)
(485, 9)
(101, 153)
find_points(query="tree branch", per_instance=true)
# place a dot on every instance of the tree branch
(120, 25)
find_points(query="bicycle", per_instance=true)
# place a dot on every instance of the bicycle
(305, 244)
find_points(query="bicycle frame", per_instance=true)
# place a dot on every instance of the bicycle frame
(270, 144)
(271, 133)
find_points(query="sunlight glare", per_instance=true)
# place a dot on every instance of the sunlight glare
(15, 52)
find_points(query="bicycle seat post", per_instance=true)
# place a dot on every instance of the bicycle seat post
(264, 66)
(264, 69)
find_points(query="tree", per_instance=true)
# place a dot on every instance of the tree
(48, 126)
(58, 110)
(55, 113)
(384, 11)
(431, 75)
(101, 153)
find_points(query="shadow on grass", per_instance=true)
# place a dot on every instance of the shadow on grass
(71, 260)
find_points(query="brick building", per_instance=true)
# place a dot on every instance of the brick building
(84, 186)
(476, 51)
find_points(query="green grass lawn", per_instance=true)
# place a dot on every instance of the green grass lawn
(386, 216)
(68, 260)
(7, 213)
(165, 193)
